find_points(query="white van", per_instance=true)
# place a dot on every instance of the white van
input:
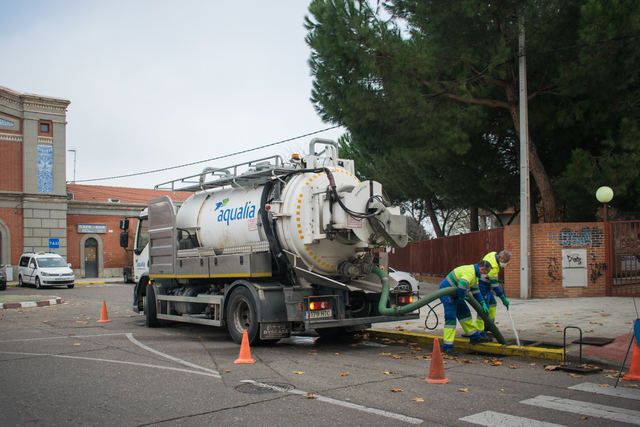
(45, 269)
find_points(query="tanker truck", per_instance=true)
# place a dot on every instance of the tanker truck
(272, 248)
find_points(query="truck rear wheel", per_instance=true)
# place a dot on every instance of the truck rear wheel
(241, 314)
(150, 308)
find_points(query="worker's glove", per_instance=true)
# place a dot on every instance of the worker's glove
(485, 309)
(462, 294)
(505, 301)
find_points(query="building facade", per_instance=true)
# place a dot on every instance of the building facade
(39, 212)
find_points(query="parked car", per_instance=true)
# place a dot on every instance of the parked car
(3, 278)
(405, 280)
(45, 269)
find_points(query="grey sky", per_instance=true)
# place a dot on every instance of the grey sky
(160, 83)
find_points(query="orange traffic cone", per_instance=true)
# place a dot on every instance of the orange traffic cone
(436, 368)
(634, 368)
(104, 317)
(245, 352)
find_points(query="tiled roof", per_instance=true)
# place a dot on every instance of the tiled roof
(102, 194)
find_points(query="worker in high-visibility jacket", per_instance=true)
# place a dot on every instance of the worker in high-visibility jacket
(464, 279)
(489, 285)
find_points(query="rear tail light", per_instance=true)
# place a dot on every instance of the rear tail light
(405, 299)
(318, 305)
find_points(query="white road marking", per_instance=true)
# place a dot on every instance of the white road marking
(342, 403)
(490, 418)
(585, 408)
(167, 356)
(122, 362)
(63, 337)
(627, 393)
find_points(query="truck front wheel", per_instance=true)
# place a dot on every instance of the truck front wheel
(242, 314)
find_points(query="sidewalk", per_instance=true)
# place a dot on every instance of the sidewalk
(540, 323)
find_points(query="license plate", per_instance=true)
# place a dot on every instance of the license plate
(320, 314)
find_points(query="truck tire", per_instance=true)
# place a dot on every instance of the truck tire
(150, 308)
(241, 314)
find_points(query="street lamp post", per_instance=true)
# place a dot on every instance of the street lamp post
(605, 195)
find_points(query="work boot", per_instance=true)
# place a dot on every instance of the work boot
(476, 338)
(485, 336)
(447, 349)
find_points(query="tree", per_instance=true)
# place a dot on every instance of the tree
(434, 90)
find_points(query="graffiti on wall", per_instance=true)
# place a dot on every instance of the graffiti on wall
(553, 268)
(596, 269)
(586, 236)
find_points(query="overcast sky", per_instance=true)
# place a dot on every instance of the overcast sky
(160, 83)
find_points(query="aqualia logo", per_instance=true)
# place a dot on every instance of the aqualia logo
(232, 214)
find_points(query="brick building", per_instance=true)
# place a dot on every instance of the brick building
(38, 210)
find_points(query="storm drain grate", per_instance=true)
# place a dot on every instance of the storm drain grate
(251, 388)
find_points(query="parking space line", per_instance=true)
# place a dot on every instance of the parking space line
(342, 403)
(63, 337)
(167, 356)
(122, 362)
(585, 408)
(498, 419)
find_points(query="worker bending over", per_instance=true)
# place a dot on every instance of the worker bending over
(465, 280)
(489, 285)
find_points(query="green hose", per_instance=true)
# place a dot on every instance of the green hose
(398, 310)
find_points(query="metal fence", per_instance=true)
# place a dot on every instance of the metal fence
(439, 256)
(624, 257)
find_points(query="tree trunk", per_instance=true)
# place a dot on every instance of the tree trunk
(540, 176)
(434, 218)
(473, 219)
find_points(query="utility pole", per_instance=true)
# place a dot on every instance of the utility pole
(525, 201)
(74, 164)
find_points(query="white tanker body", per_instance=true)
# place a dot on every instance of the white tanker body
(276, 249)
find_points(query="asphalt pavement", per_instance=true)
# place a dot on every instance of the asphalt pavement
(60, 367)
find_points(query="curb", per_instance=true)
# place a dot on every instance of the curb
(31, 304)
(464, 344)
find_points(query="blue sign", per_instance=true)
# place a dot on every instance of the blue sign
(54, 243)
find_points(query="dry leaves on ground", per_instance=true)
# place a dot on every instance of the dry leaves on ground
(396, 356)
(310, 395)
(387, 372)
(575, 375)
(552, 367)
(463, 389)
(493, 362)
(605, 385)
(298, 372)
(385, 354)
(396, 390)
(418, 399)
(513, 366)
(344, 374)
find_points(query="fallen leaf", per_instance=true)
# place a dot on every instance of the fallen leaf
(387, 372)
(513, 366)
(227, 370)
(418, 399)
(385, 354)
(552, 367)
(298, 372)
(604, 385)
(532, 364)
(495, 362)
(344, 374)
(501, 390)
(463, 389)
(76, 343)
(465, 361)
(310, 396)
(337, 354)
(575, 375)
(399, 328)
(584, 417)
(396, 390)
(396, 356)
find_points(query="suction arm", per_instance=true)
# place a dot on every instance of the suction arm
(397, 310)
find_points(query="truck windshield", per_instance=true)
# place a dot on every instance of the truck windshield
(51, 262)
(142, 235)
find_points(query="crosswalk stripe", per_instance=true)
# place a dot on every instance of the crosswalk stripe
(585, 408)
(626, 393)
(498, 419)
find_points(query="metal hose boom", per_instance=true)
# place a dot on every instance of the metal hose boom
(397, 310)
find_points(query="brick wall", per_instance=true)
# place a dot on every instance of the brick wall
(113, 255)
(547, 242)
(10, 166)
